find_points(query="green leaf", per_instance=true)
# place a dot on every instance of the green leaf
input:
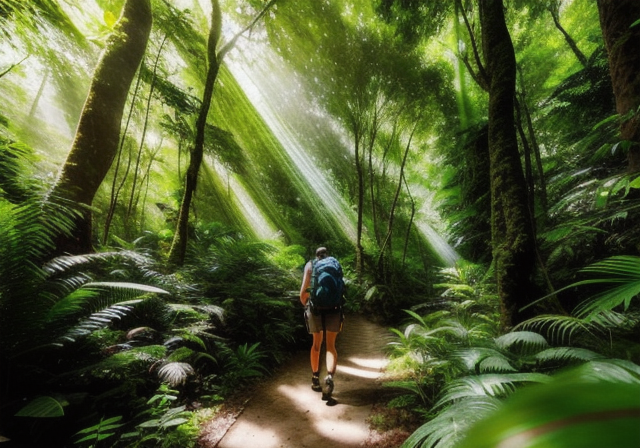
(85, 438)
(563, 413)
(635, 183)
(174, 422)
(110, 19)
(154, 423)
(42, 407)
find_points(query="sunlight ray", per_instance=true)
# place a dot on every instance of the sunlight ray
(446, 253)
(262, 85)
(247, 205)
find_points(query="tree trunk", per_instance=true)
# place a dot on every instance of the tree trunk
(392, 212)
(98, 132)
(554, 9)
(179, 244)
(623, 48)
(360, 220)
(511, 232)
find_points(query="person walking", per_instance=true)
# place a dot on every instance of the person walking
(321, 294)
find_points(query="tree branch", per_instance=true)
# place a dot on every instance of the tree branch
(229, 45)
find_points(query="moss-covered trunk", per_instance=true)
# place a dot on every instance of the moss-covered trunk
(98, 133)
(623, 47)
(512, 236)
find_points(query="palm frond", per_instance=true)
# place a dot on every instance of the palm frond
(495, 364)
(43, 407)
(447, 428)
(623, 271)
(567, 354)
(523, 341)
(175, 373)
(557, 327)
(493, 385)
(569, 411)
(612, 370)
(474, 357)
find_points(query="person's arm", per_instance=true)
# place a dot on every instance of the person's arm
(306, 281)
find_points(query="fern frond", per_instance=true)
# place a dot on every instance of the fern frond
(98, 320)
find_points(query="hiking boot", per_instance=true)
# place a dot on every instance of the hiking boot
(326, 395)
(315, 384)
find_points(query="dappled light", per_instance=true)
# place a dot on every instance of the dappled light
(296, 416)
(362, 368)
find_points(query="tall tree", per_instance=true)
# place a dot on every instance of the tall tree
(621, 32)
(513, 240)
(98, 132)
(215, 58)
(554, 8)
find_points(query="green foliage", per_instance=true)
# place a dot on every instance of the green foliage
(489, 379)
(242, 365)
(42, 407)
(93, 435)
(167, 426)
(571, 410)
(622, 273)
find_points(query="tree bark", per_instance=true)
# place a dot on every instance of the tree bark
(512, 236)
(98, 132)
(623, 47)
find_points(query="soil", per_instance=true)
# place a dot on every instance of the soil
(283, 411)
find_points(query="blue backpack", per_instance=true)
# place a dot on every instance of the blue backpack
(327, 286)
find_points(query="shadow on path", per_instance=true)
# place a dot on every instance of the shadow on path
(285, 413)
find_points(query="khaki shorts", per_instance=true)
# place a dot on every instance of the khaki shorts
(333, 322)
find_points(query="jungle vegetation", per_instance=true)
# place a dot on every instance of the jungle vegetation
(168, 166)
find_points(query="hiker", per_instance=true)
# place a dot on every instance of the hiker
(321, 294)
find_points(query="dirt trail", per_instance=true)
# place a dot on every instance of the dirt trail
(286, 413)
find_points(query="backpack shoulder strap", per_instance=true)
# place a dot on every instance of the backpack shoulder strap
(313, 278)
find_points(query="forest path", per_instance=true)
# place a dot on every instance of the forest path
(285, 413)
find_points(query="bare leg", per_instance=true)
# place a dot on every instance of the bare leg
(332, 354)
(315, 351)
